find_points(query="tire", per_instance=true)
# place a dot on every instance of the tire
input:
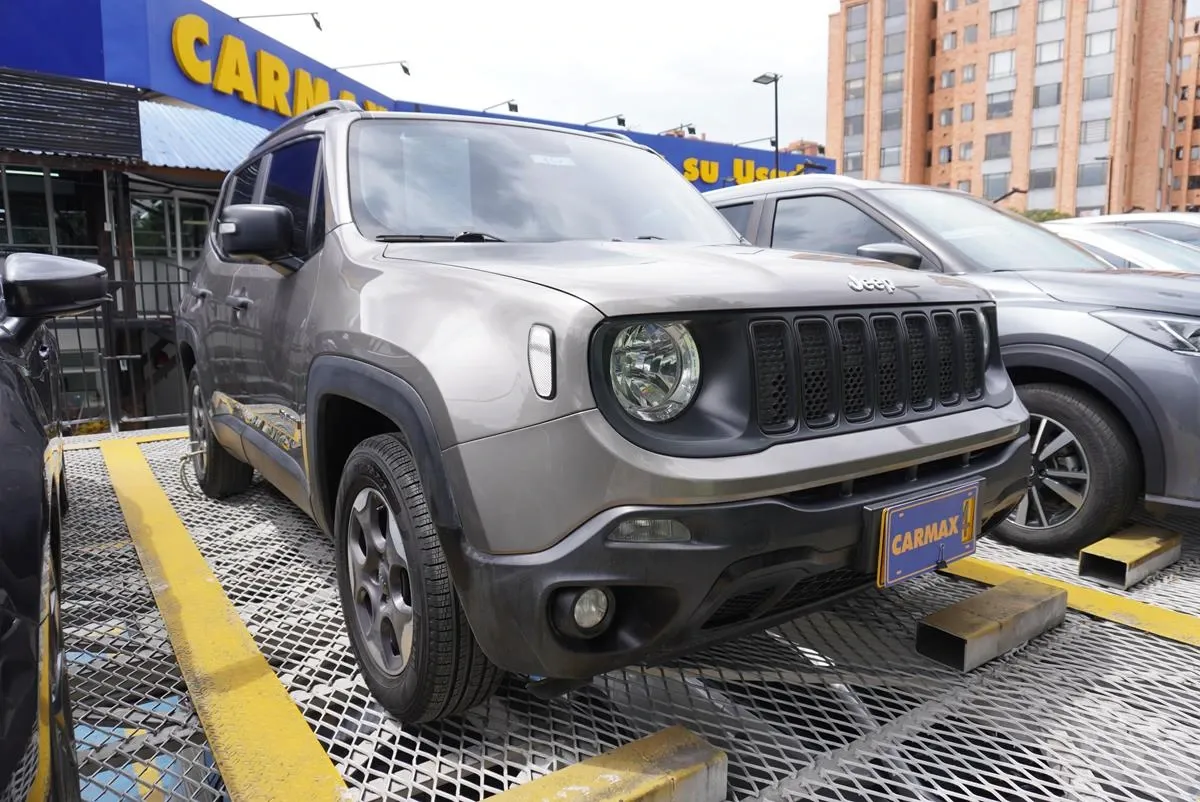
(395, 563)
(64, 771)
(1104, 453)
(64, 499)
(219, 473)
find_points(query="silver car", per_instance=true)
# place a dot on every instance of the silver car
(559, 417)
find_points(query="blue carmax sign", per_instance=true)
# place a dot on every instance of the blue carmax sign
(190, 51)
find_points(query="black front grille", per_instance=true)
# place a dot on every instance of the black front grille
(817, 370)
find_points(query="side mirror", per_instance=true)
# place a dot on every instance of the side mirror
(895, 252)
(260, 230)
(39, 286)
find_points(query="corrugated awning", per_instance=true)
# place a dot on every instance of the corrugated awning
(178, 136)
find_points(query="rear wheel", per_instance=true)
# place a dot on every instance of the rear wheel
(1085, 475)
(219, 473)
(413, 643)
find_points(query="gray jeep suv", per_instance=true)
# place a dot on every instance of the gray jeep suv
(558, 417)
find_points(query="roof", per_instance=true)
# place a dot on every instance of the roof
(178, 136)
(756, 188)
(1187, 218)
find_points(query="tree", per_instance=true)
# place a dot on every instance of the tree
(1045, 215)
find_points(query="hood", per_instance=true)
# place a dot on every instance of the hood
(640, 278)
(1171, 292)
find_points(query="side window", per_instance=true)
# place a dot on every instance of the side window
(1175, 231)
(824, 223)
(738, 216)
(290, 184)
(1111, 258)
(243, 183)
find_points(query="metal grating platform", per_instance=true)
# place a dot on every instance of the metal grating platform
(833, 706)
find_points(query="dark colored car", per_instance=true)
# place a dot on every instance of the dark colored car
(37, 753)
(1107, 361)
(557, 416)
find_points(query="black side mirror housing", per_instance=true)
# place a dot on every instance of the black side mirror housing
(255, 230)
(895, 252)
(39, 286)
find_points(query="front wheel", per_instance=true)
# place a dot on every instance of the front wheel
(1085, 476)
(414, 645)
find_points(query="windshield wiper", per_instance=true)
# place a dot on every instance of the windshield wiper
(465, 236)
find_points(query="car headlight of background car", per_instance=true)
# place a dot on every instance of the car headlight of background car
(1179, 334)
(654, 370)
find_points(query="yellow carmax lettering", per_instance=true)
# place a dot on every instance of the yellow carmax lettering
(930, 533)
(308, 91)
(233, 70)
(274, 81)
(188, 34)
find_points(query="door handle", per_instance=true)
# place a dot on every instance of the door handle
(201, 293)
(239, 302)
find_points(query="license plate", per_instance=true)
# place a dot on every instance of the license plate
(922, 534)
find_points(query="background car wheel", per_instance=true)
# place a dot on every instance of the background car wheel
(1086, 472)
(219, 473)
(412, 640)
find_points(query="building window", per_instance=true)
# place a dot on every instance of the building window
(1043, 178)
(894, 8)
(1183, 93)
(1050, 10)
(1185, 63)
(1099, 43)
(1176, 183)
(852, 125)
(950, 41)
(1092, 174)
(856, 52)
(947, 79)
(965, 151)
(1179, 153)
(951, 5)
(1091, 131)
(1101, 5)
(968, 72)
(856, 88)
(995, 185)
(997, 146)
(1047, 95)
(1045, 136)
(1195, 152)
(889, 157)
(963, 186)
(1049, 52)
(945, 154)
(970, 34)
(1180, 123)
(1002, 64)
(1194, 182)
(893, 81)
(946, 117)
(893, 44)
(852, 162)
(856, 17)
(1098, 87)
(1196, 122)
(1004, 22)
(891, 120)
(999, 105)
(967, 113)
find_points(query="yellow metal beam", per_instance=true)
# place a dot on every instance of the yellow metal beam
(673, 765)
(264, 748)
(1128, 557)
(133, 438)
(1101, 604)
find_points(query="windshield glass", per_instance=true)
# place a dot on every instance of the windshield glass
(1162, 252)
(983, 236)
(444, 177)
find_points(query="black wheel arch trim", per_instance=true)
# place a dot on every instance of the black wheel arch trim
(345, 377)
(1110, 386)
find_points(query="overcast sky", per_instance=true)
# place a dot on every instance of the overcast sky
(661, 64)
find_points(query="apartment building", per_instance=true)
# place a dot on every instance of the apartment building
(1070, 105)
(1185, 183)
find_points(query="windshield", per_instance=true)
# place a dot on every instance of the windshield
(983, 236)
(444, 177)
(1161, 252)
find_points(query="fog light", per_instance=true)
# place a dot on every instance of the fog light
(590, 608)
(650, 530)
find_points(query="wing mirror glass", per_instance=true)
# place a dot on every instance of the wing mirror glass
(39, 286)
(895, 252)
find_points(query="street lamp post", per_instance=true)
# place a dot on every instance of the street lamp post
(774, 142)
(403, 66)
(773, 78)
(312, 14)
(512, 105)
(620, 119)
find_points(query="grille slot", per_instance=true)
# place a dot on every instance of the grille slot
(773, 375)
(973, 333)
(852, 339)
(947, 380)
(887, 364)
(920, 382)
(816, 373)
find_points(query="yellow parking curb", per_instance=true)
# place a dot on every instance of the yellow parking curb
(1128, 557)
(1139, 615)
(673, 765)
(145, 438)
(264, 748)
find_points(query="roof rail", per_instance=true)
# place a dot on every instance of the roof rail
(311, 114)
(614, 135)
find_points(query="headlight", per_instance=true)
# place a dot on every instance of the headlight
(655, 370)
(1180, 334)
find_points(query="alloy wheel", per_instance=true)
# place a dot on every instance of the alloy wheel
(1059, 478)
(380, 582)
(198, 432)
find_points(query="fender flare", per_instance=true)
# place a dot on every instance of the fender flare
(1110, 386)
(332, 375)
